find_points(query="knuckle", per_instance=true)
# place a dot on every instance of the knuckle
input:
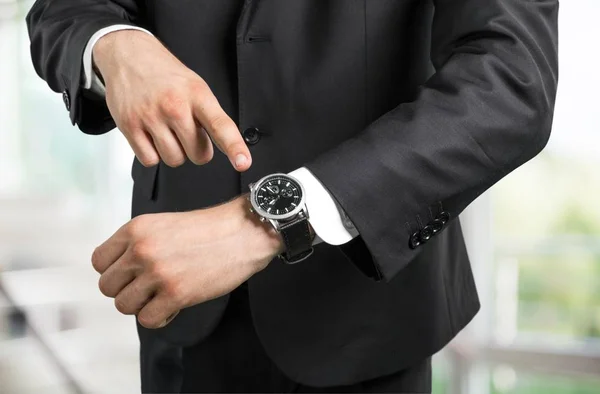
(147, 157)
(129, 122)
(149, 161)
(198, 88)
(169, 94)
(158, 274)
(142, 250)
(96, 259)
(233, 146)
(130, 229)
(103, 286)
(173, 105)
(152, 123)
(203, 157)
(122, 306)
(148, 321)
(175, 292)
(148, 114)
(136, 225)
(171, 289)
(218, 122)
(175, 162)
(126, 126)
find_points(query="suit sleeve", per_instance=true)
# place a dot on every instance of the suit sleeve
(59, 31)
(487, 109)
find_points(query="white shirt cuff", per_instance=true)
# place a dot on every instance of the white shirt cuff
(327, 218)
(90, 78)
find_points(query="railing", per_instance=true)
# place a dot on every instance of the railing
(56, 362)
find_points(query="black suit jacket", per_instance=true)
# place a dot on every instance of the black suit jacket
(406, 110)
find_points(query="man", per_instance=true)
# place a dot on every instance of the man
(364, 127)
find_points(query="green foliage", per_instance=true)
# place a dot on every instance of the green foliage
(548, 218)
(551, 385)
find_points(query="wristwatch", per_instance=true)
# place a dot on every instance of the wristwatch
(280, 199)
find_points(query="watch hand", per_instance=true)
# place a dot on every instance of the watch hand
(274, 200)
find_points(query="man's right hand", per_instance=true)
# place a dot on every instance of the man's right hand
(164, 109)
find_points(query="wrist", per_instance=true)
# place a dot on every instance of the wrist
(263, 240)
(112, 50)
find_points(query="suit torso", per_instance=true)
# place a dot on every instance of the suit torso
(310, 74)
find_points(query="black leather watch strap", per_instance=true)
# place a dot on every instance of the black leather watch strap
(298, 240)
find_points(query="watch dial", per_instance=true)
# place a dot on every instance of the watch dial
(278, 195)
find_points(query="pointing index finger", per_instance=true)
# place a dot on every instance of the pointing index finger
(222, 130)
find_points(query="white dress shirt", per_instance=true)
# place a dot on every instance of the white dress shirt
(327, 218)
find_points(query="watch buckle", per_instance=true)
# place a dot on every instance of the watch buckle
(303, 256)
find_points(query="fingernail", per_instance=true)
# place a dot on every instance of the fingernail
(240, 160)
(169, 319)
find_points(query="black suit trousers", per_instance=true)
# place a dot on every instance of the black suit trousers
(232, 360)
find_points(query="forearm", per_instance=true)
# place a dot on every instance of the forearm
(487, 110)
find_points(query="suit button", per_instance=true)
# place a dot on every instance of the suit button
(426, 234)
(66, 100)
(436, 225)
(251, 135)
(443, 217)
(414, 241)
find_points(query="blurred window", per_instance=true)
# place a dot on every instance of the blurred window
(534, 239)
(546, 215)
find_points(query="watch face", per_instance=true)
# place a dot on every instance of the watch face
(278, 196)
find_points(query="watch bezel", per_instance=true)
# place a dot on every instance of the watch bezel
(256, 185)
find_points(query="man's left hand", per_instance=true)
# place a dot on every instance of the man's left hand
(158, 264)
